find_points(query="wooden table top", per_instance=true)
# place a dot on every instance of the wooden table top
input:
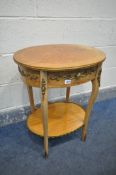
(58, 57)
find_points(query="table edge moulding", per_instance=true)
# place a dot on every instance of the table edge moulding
(59, 66)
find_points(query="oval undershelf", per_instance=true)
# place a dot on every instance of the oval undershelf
(63, 118)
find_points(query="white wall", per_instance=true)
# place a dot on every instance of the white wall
(25, 23)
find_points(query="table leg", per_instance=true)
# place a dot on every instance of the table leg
(31, 99)
(44, 108)
(95, 89)
(67, 94)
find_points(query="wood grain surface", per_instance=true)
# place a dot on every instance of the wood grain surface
(63, 118)
(58, 57)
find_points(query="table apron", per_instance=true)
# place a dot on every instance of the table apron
(59, 79)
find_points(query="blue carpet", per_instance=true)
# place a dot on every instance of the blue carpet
(21, 152)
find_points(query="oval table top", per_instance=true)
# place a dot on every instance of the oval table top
(58, 57)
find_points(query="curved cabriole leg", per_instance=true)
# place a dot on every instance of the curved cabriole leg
(67, 94)
(44, 109)
(95, 89)
(31, 99)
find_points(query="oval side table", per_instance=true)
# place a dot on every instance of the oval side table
(59, 66)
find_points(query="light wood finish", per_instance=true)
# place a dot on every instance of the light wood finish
(44, 108)
(58, 57)
(51, 66)
(57, 78)
(67, 94)
(31, 99)
(95, 88)
(63, 118)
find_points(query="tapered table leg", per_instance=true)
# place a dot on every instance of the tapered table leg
(95, 89)
(67, 94)
(44, 108)
(31, 99)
